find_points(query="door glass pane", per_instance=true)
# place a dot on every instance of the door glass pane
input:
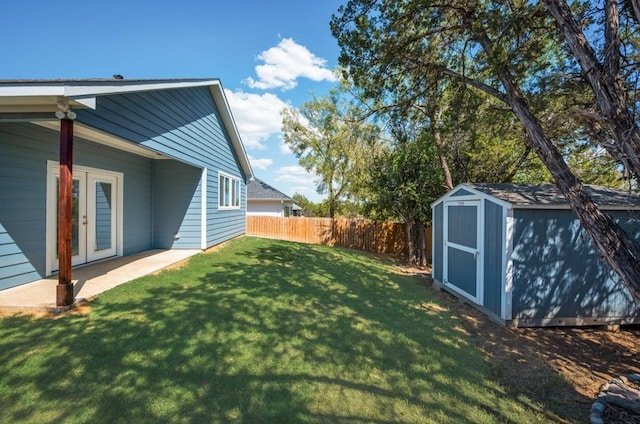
(75, 216)
(103, 215)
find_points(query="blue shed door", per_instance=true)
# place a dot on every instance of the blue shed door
(462, 248)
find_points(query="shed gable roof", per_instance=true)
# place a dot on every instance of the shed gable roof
(549, 195)
(259, 190)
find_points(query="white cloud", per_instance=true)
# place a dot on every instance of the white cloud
(261, 164)
(285, 63)
(294, 174)
(256, 115)
(304, 190)
(284, 148)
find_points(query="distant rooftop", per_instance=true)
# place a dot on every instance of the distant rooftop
(258, 189)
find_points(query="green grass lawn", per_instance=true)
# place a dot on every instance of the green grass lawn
(260, 331)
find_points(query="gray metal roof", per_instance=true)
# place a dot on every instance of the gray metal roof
(548, 195)
(258, 189)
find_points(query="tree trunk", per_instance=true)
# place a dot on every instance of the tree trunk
(604, 80)
(635, 8)
(620, 251)
(444, 164)
(422, 243)
(408, 223)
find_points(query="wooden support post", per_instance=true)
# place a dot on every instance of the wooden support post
(64, 290)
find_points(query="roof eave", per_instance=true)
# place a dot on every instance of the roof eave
(227, 119)
(20, 97)
(44, 96)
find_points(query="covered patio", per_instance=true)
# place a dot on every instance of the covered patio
(91, 280)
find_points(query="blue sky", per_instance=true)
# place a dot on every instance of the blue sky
(268, 54)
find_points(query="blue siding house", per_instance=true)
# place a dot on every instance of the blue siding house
(156, 164)
(520, 255)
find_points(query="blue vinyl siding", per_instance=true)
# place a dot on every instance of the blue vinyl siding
(493, 256)
(224, 224)
(558, 273)
(183, 124)
(438, 256)
(24, 151)
(23, 173)
(177, 194)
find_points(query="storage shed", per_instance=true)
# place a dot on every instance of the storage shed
(519, 254)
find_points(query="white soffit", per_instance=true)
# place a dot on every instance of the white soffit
(100, 137)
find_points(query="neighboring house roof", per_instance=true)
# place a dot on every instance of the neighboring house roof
(550, 196)
(37, 99)
(259, 190)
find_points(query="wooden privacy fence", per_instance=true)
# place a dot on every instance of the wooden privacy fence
(387, 238)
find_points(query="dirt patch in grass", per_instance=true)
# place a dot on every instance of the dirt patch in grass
(81, 307)
(535, 361)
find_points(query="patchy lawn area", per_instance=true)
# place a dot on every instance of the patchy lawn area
(271, 331)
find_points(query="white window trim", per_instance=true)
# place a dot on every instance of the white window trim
(232, 181)
(203, 210)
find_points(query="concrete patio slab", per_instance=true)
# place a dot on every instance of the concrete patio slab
(91, 279)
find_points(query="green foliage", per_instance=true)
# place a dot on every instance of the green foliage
(432, 57)
(330, 139)
(309, 208)
(344, 208)
(405, 181)
(260, 331)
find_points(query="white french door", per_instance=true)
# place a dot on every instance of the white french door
(96, 215)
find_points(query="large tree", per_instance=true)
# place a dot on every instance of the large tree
(512, 50)
(405, 180)
(329, 139)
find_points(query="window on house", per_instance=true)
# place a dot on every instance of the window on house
(229, 192)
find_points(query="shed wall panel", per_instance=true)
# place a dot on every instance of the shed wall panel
(493, 256)
(559, 274)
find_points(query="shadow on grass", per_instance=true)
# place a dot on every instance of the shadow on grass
(261, 331)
